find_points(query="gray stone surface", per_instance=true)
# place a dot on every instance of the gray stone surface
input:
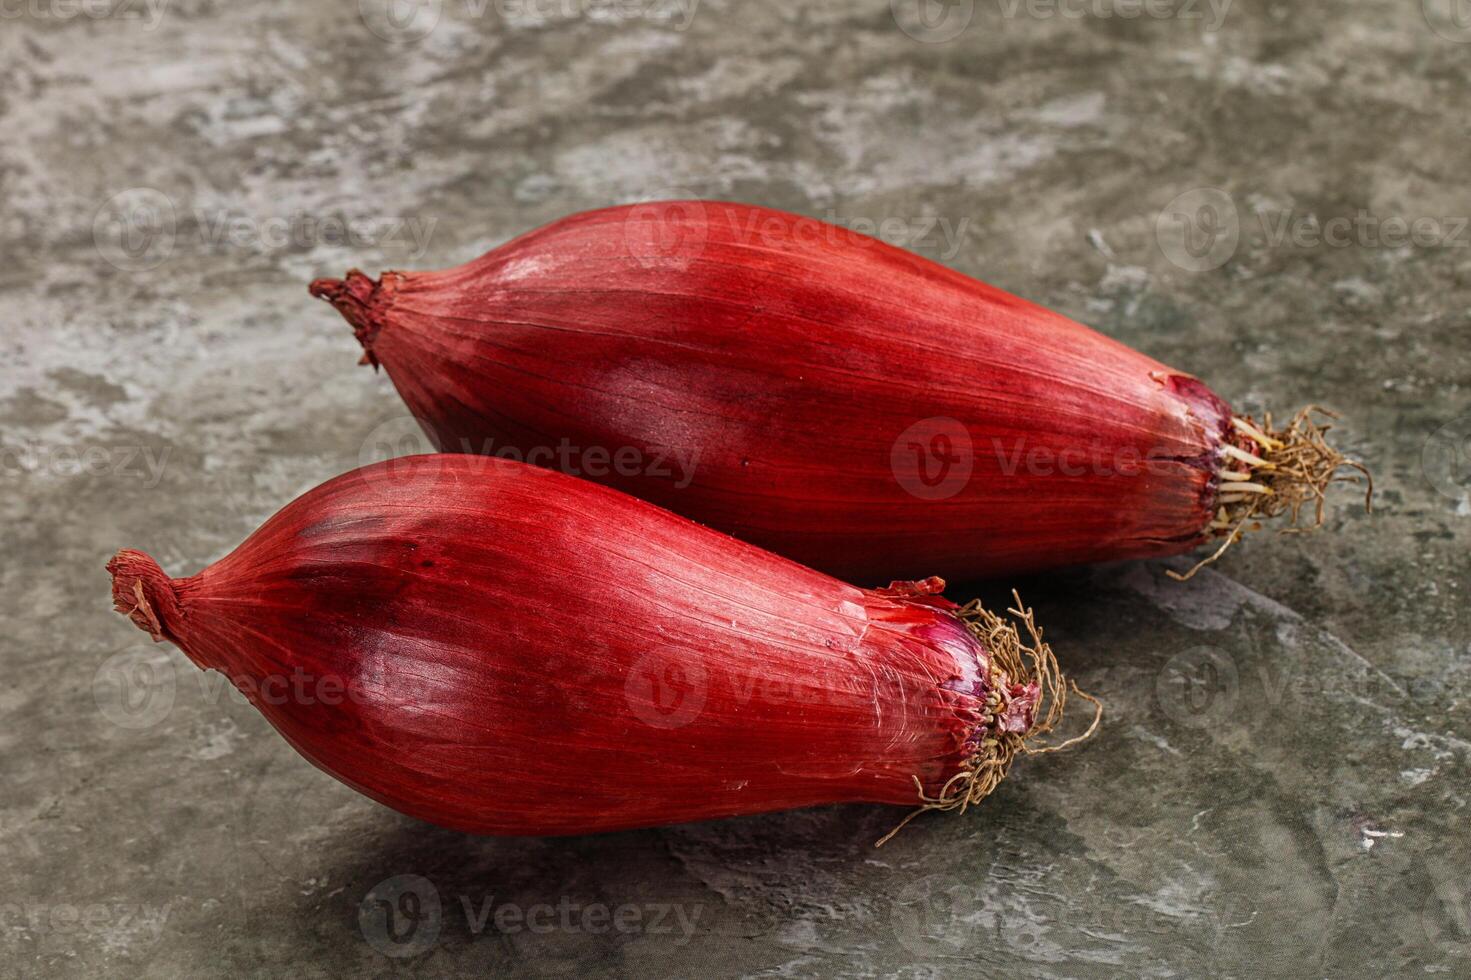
(1280, 787)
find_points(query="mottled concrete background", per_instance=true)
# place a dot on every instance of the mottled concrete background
(1281, 785)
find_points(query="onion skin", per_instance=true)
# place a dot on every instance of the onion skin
(516, 651)
(793, 360)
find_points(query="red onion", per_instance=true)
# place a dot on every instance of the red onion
(514, 651)
(848, 404)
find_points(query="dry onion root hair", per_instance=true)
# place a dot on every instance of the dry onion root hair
(1271, 472)
(1021, 661)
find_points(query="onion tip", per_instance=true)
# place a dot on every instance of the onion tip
(356, 297)
(143, 592)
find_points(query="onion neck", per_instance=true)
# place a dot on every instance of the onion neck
(360, 300)
(143, 592)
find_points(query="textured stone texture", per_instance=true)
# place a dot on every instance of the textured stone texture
(1280, 786)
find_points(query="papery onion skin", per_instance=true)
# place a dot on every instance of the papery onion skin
(819, 379)
(516, 652)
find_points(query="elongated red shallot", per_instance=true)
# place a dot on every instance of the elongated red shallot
(503, 649)
(815, 391)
